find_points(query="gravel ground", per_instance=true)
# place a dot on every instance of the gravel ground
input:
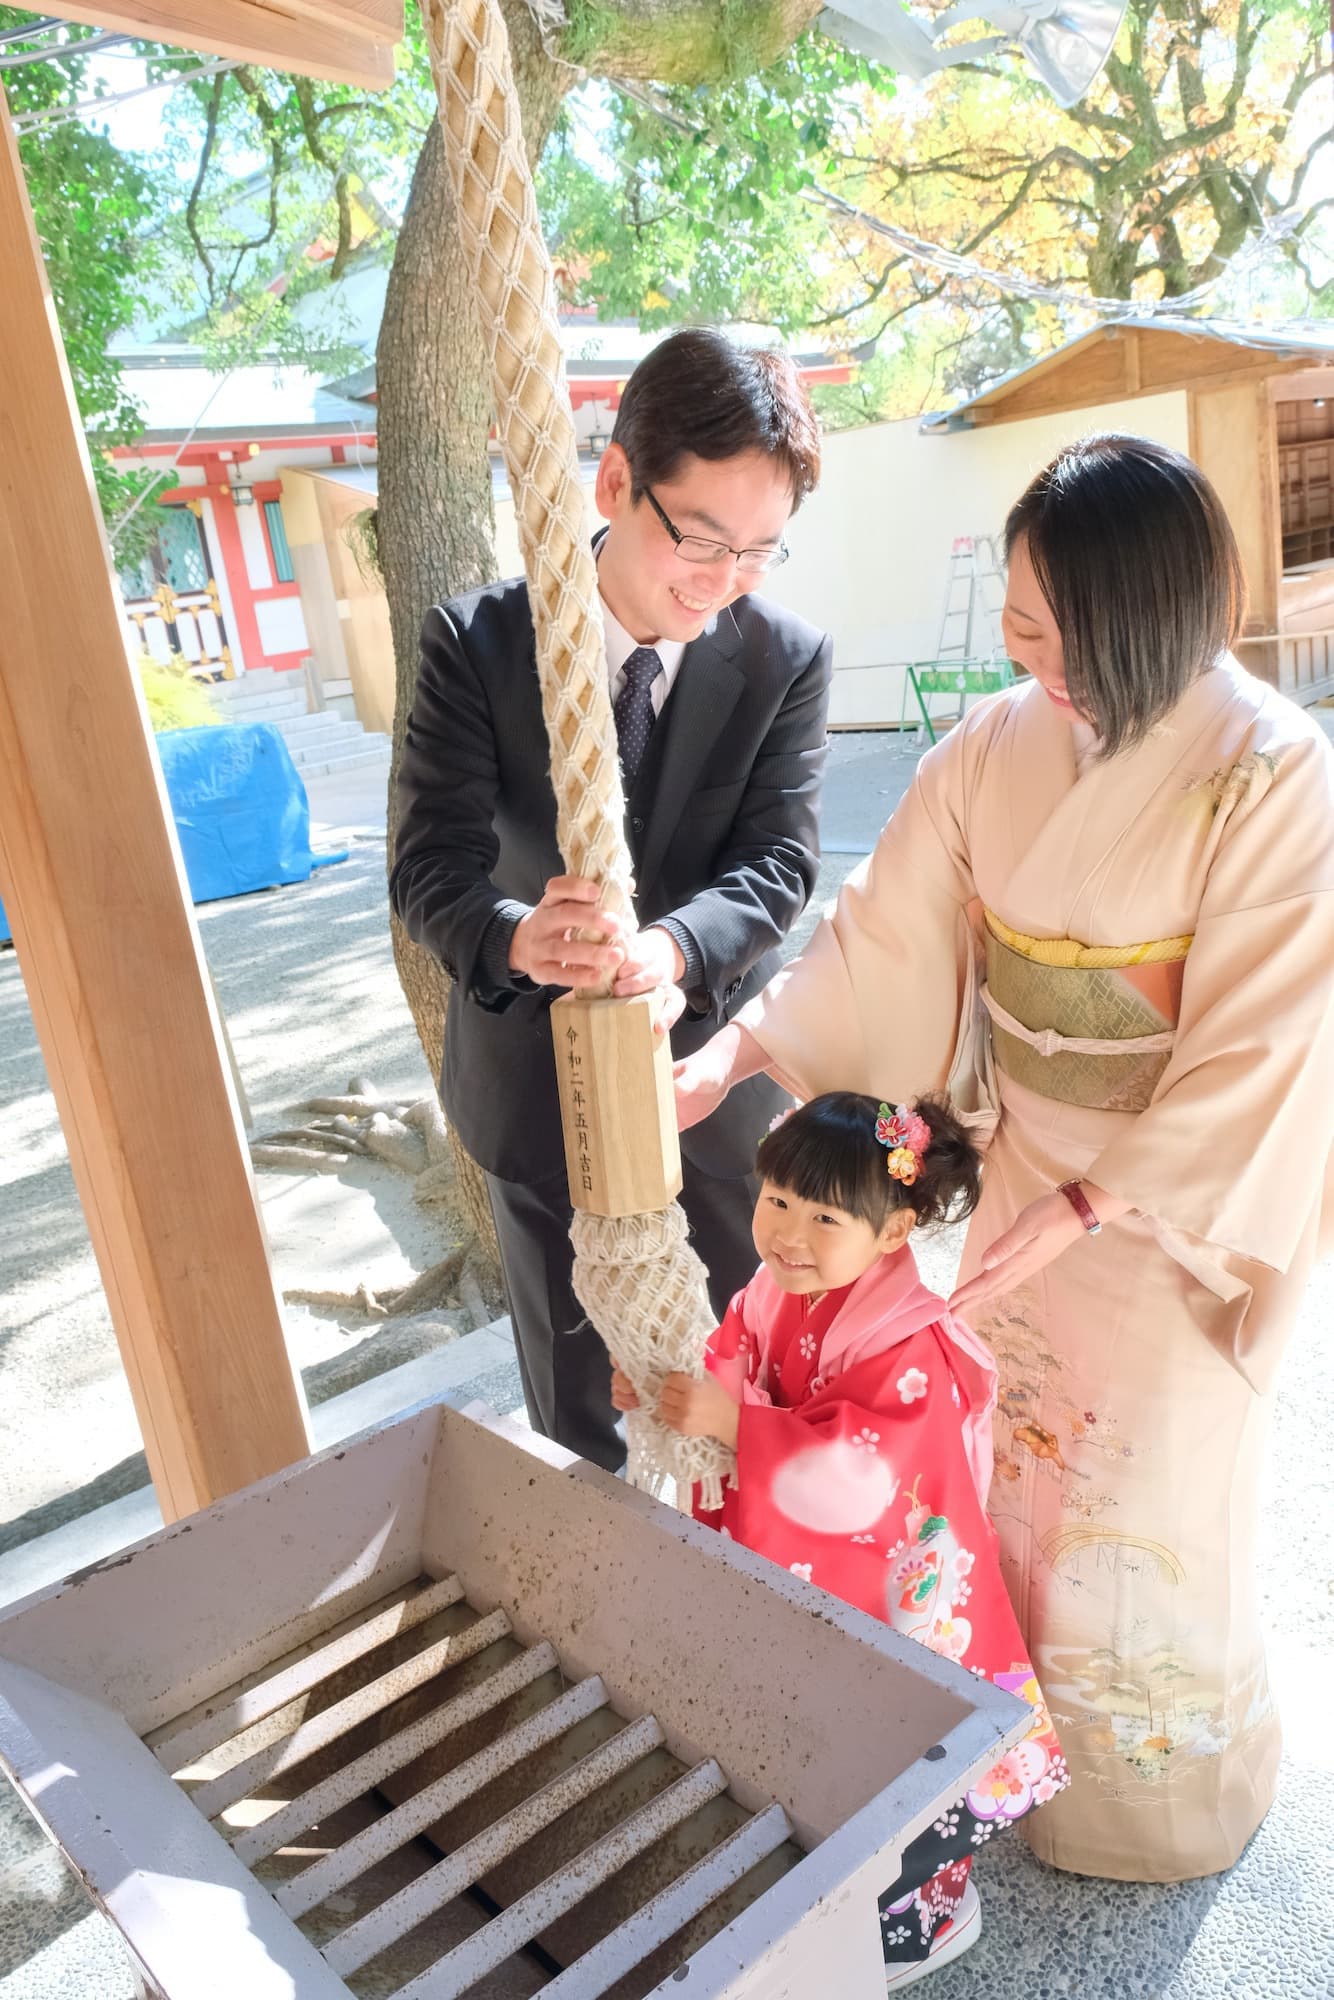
(308, 987)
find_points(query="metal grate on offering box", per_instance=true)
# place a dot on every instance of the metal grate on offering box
(445, 1712)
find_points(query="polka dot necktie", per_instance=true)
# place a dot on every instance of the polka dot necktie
(633, 708)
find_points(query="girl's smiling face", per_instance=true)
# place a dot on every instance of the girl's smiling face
(808, 1247)
(1032, 636)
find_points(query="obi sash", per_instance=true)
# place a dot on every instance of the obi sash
(1090, 1025)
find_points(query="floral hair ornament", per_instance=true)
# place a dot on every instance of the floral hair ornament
(907, 1135)
(782, 1117)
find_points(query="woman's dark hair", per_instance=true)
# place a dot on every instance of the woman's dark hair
(699, 393)
(1137, 559)
(827, 1151)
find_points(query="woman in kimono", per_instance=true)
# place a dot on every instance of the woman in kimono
(1137, 845)
(860, 1409)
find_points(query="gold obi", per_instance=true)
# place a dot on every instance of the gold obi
(1085, 1024)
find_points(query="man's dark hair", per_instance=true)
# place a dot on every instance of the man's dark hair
(700, 394)
(1136, 557)
(827, 1151)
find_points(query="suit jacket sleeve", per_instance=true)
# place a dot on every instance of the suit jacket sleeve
(445, 846)
(764, 877)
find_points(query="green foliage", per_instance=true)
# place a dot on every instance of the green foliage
(283, 182)
(91, 204)
(176, 700)
(690, 203)
(169, 234)
(362, 535)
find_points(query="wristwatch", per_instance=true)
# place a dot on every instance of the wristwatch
(1078, 1200)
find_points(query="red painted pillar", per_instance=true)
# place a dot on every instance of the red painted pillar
(218, 489)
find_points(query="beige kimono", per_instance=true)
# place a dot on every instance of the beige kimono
(1157, 935)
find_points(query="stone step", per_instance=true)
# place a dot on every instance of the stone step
(306, 729)
(364, 759)
(261, 679)
(354, 742)
(281, 718)
(332, 741)
(261, 706)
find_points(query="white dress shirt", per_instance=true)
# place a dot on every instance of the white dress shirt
(620, 645)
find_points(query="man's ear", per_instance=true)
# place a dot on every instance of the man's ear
(612, 489)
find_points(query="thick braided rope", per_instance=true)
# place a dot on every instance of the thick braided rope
(637, 1277)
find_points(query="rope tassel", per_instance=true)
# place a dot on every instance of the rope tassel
(641, 1284)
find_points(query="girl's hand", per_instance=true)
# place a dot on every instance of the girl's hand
(623, 1395)
(1042, 1231)
(699, 1408)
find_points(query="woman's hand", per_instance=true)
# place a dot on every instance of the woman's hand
(699, 1408)
(652, 958)
(1041, 1232)
(623, 1395)
(703, 1080)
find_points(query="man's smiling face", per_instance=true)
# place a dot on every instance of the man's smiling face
(745, 502)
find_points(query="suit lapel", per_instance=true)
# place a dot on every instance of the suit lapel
(704, 693)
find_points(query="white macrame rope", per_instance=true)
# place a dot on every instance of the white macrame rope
(637, 1277)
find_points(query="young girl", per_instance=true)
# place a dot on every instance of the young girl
(860, 1413)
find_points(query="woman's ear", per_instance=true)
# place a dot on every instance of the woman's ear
(899, 1226)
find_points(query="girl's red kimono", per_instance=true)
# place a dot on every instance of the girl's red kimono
(863, 1463)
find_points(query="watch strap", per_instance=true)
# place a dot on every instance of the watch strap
(1079, 1201)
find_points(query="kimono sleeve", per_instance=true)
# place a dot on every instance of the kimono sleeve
(733, 1353)
(874, 1001)
(1234, 1147)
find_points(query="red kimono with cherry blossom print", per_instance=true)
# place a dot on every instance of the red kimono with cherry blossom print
(863, 1463)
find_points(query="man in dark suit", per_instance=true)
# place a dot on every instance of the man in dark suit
(720, 701)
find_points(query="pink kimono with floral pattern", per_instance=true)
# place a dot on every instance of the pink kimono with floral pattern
(863, 1463)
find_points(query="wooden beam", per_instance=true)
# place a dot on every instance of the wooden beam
(1302, 386)
(1234, 442)
(1130, 360)
(344, 41)
(91, 877)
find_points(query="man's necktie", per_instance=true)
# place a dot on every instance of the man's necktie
(633, 708)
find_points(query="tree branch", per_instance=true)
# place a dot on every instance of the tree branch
(304, 92)
(205, 154)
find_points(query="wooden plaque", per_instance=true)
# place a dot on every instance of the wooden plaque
(617, 1108)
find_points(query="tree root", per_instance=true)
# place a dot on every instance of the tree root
(411, 1136)
(442, 1285)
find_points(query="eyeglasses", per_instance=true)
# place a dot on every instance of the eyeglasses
(697, 549)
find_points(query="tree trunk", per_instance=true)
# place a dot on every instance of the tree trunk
(681, 41)
(435, 527)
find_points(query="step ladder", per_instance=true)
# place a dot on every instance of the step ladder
(970, 623)
(970, 648)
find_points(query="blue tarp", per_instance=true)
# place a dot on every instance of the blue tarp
(240, 810)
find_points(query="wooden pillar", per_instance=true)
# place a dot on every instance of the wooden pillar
(91, 876)
(1234, 441)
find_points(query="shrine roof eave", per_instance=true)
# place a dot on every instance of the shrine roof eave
(206, 445)
(1135, 357)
